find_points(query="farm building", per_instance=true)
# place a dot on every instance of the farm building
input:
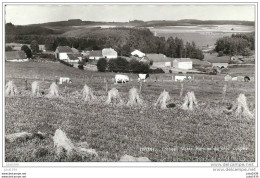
(16, 56)
(95, 54)
(62, 52)
(74, 58)
(109, 53)
(137, 53)
(220, 62)
(182, 63)
(159, 60)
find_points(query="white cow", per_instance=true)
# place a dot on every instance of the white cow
(142, 77)
(119, 78)
(64, 80)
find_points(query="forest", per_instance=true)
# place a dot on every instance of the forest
(237, 44)
(123, 40)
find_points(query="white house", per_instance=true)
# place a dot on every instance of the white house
(16, 56)
(182, 63)
(137, 53)
(62, 52)
(109, 53)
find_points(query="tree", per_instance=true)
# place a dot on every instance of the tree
(27, 51)
(34, 46)
(8, 48)
(102, 65)
(118, 65)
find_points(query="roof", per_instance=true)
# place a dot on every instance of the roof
(183, 59)
(74, 56)
(64, 49)
(157, 57)
(95, 53)
(222, 59)
(108, 52)
(137, 52)
(10, 55)
(74, 50)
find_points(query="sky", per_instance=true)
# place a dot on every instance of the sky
(34, 14)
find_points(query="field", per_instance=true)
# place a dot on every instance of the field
(173, 135)
(202, 35)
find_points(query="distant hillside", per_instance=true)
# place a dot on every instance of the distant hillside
(10, 29)
(139, 23)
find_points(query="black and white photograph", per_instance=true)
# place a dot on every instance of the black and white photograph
(130, 84)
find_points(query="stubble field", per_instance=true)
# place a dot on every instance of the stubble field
(173, 135)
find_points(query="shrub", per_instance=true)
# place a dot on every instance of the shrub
(156, 71)
(138, 67)
(102, 65)
(81, 67)
(220, 53)
(118, 65)
(170, 71)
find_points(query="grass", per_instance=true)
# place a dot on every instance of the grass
(115, 131)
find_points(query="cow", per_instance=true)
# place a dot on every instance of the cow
(65, 80)
(119, 78)
(246, 79)
(142, 77)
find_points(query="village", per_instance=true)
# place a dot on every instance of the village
(88, 60)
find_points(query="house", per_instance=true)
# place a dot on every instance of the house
(95, 54)
(109, 53)
(74, 58)
(137, 53)
(182, 63)
(62, 52)
(159, 60)
(16, 56)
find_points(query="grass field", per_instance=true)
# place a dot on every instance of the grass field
(206, 134)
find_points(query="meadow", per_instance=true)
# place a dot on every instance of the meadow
(207, 134)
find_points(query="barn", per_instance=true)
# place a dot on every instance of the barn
(220, 62)
(109, 53)
(182, 63)
(159, 60)
(95, 54)
(16, 56)
(62, 52)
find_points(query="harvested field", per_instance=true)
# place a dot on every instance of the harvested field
(172, 135)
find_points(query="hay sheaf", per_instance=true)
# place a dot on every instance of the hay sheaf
(53, 91)
(113, 97)
(163, 100)
(134, 98)
(190, 101)
(10, 89)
